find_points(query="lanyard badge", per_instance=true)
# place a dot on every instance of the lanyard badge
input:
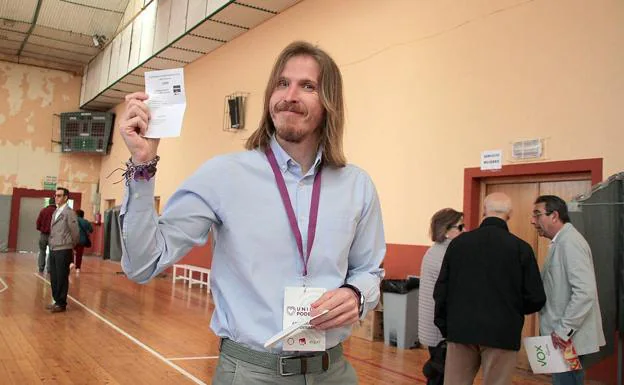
(314, 208)
(297, 300)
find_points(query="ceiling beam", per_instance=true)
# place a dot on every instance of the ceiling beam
(92, 7)
(32, 27)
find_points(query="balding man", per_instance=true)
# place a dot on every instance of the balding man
(489, 280)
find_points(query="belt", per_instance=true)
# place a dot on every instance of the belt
(285, 365)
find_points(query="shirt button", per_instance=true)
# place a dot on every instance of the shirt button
(136, 195)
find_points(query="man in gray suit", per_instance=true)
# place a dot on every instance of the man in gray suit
(64, 235)
(572, 313)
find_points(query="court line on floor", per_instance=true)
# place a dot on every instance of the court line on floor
(131, 338)
(420, 380)
(193, 358)
(4, 284)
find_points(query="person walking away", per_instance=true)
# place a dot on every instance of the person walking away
(85, 228)
(44, 220)
(446, 224)
(488, 282)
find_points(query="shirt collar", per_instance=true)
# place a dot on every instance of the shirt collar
(494, 221)
(558, 232)
(445, 242)
(284, 161)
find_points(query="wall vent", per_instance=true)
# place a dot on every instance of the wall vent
(527, 149)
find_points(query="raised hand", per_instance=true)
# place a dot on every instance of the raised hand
(133, 126)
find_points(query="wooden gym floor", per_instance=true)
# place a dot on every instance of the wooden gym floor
(118, 332)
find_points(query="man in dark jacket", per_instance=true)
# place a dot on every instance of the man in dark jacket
(43, 225)
(489, 280)
(85, 229)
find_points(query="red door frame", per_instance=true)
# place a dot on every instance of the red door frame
(474, 175)
(16, 201)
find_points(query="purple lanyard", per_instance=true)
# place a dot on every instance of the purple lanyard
(314, 206)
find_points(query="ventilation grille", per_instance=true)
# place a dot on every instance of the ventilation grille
(527, 149)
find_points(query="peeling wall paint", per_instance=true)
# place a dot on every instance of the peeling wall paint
(6, 183)
(14, 76)
(31, 100)
(29, 127)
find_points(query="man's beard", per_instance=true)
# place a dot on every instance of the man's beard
(290, 134)
(287, 129)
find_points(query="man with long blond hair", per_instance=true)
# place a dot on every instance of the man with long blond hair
(297, 232)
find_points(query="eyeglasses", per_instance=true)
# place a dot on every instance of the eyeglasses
(537, 214)
(459, 227)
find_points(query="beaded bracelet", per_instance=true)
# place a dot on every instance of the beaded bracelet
(140, 171)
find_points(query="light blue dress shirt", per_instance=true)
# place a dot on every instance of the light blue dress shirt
(255, 252)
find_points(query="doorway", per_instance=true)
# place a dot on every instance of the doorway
(523, 184)
(523, 193)
(27, 235)
(15, 221)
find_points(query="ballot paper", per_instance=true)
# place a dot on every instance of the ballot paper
(292, 329)
(167, 102)
(543, 356)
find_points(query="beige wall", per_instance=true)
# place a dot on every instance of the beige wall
(429, 85)
(30, 100)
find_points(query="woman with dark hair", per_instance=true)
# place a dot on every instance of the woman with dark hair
(446, 224)
(85, 228)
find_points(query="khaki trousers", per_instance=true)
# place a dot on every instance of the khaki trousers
(231, 371)
(463, 362)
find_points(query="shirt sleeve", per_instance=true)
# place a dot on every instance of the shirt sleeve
(72, 222)
(40, 220)
(150, 243)
(368, 250)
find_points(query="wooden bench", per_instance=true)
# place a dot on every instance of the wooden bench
(204, 276)
(193, 275)
(184, 276)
